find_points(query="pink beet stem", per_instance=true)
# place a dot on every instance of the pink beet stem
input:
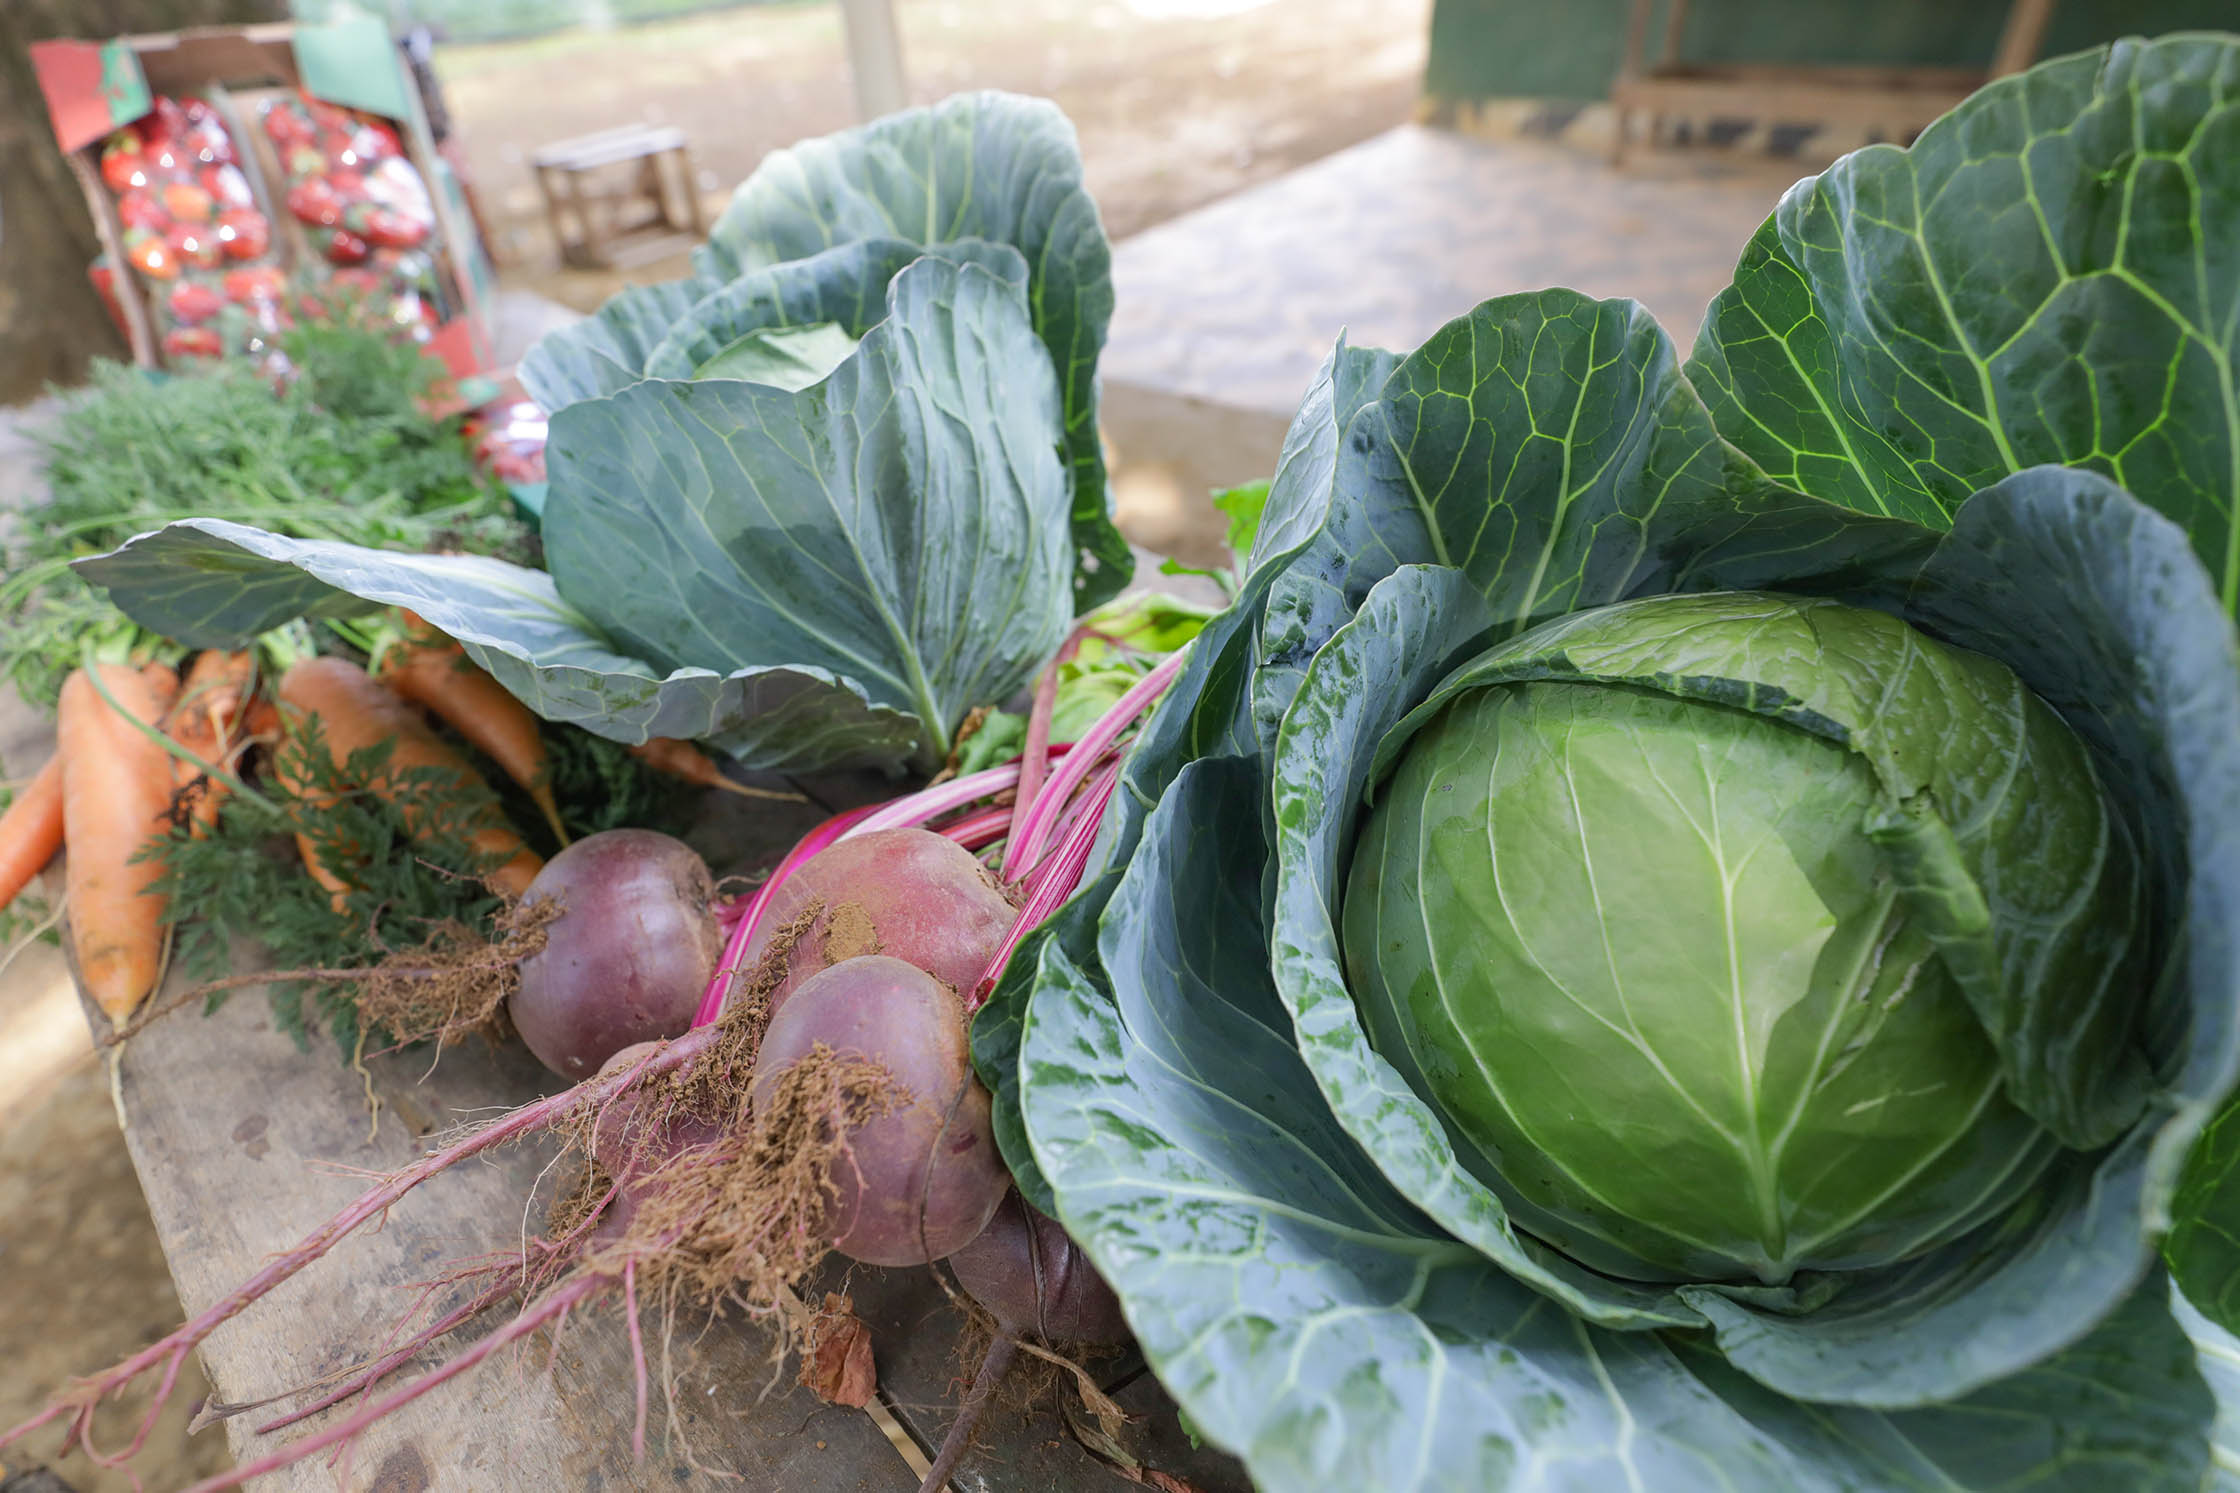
(1028, 842)
(558, 1303)
(390, 1362)
(373, 1204)
(742, 932)
(976, 831)
(941, 798)
(1034, 763)
(637, 1354)
(1054, 882)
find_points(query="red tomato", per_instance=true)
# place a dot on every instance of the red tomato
(326, 115)
(167, 121)
(187, 202)
(123, 168)
(166, 158)
(210, 145)
(313, 201)
(148, 254)
(192, 301)
(262, 282)
(227, 186)
(287, 124)
(196, 244)
(355, 281)
(141, 208)
(192, 342)
(375, 140)
(349, 185)
(393, 230)
(244, 234)
(345, 247)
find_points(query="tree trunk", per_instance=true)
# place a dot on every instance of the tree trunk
(52, 321)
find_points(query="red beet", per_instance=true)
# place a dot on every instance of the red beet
(921, 1181)
(907, 893)
(1034, 1280)
(627, 958)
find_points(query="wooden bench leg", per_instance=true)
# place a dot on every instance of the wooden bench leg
(692, 213)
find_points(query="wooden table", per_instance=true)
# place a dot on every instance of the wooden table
(620, 197)
(244, 1143)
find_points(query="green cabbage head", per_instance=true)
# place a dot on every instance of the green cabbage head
(1722, 929)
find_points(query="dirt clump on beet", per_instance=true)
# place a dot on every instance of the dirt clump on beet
(910, 894)
(740, 1216)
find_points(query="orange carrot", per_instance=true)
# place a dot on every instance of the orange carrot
(116, 793)
(681, 759)
(356, 712)
(432, 671)
(290, 777)
(163, 681)
(31, 830)
(204, 721)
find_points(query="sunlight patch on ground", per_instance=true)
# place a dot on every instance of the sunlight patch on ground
(42, 1030)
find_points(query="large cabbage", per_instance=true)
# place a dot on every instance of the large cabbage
(1726, 932)
(1611, 971)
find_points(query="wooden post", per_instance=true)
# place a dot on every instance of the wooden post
(2020, 39)
(875, 57)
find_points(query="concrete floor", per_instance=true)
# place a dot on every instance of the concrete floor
(1237, 303)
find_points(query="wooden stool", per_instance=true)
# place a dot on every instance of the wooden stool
(606, 217)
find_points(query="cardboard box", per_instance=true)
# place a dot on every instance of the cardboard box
(96, 88)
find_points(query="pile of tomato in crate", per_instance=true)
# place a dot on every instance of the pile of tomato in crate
(194, 228)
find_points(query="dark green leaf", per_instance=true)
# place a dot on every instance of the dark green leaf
(2050, 274)
(2204, 1244)
(986, 166)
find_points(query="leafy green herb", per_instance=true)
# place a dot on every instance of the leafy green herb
(344, 451)
(244, 879)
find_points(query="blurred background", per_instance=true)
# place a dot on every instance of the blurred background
(1272, 172)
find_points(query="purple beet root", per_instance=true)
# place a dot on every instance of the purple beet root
(629, 955)
(907, 893)
(922, 1181)
(1035, 1281)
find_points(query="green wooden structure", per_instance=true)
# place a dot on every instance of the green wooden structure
(1527, 49)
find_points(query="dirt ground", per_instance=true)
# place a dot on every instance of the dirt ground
(1178, 102)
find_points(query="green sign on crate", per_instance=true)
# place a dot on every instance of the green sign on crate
(351, 61)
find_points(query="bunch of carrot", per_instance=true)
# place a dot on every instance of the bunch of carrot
(139, 752)
(110, 792)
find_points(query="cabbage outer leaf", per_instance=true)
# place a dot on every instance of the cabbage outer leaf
(607, 350)
(2204, 1244)
(2050, 274)
(989, 166)
(214, 584)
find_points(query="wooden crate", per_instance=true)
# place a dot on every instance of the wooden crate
(232, 65)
